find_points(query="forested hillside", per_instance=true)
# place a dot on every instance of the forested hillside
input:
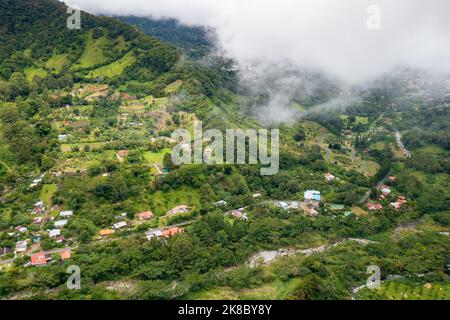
(196, 41)
(87, 179)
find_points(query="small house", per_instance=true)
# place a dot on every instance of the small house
(65, 255)
(37, 220)
(312, 195)
(221, 203)
(122, 153)
(38, 259)
(21, 229)
(179, 209)
(239, 214)
(62, 137)
(54, 233)
(399, 203)
(121, 216)
(120, 225)
(385, 190)
(21, 246)
(39, 204)
(153, 234)
(66, 214)
(167, 233)
(60, 223)
(106, 232)
(329, 176)
(374, 206)
(60, 239)
(256, 195)
(146, 215)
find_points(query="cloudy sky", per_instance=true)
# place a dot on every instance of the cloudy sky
(331, 36)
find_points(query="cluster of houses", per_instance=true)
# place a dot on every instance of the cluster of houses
(64, 217)
(286, 205)
(163, 233)
(310, 204)
(399, 203)
(38, 210)
(122, 219)
(385, 192)
(42, 258)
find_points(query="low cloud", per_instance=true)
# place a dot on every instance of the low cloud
(286, 41)
(331, 36)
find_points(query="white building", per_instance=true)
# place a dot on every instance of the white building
(21, 246)
(54, 233)
(66, 214)
(221, 203)
(39, 204)
(120, 225)
(153, 234)
(60, 223)
(312, 195)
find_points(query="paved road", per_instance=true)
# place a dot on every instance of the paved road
(398, 138)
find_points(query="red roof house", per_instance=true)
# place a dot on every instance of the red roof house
(38, 259)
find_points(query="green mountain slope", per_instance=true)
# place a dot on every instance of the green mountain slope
(193, 40)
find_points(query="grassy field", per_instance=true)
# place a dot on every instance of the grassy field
(371, 168)
(93, 145)
(173, 87)
(276, 290)
(138, 108)
(434, 149)
(358, 119)
(402, 290)
(359, 212)
(47, 192)
(93, 53)
(56, 62)
(156, 157)
(161, 202)
(113, 69)
(32, 72)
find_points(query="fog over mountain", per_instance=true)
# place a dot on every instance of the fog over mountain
(331, 36)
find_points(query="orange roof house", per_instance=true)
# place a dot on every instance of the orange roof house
(38, 259)
(167, 233)
(146, 215)
(106, 232)
(65, 255)
(122, 153)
